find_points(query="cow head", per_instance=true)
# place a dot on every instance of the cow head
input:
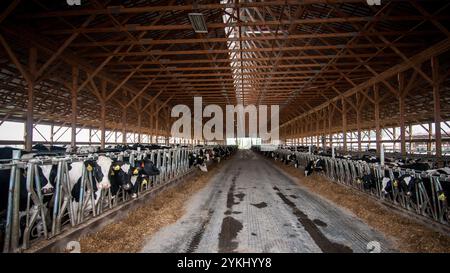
(47, 176)
(147, 167)
(99, 170)
(309, 168)
(406, 184)
(386, 185)
(368, 182)
(118, 176)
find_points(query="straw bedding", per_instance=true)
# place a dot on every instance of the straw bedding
(128, 235)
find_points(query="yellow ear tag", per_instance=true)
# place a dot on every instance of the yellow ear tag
(442, 197)
(117, 167)
(89, 168)
(395, 183)
(144, 182)
(136, 172)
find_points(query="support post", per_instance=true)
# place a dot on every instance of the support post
(103, 115)
(30, 103)
(437, 109)
(139, 122)
(401, 87)
(103, 125)
(358, 120)
(52, 134)
(74, 93)
(344, 124)
(376, 92)
(430, 137)
(124, 125)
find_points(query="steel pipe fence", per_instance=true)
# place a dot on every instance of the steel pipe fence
(428, 195)
(45, 217)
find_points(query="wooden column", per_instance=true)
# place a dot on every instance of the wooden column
(358, 120)
(52, 134)
(317, 130)
(430, 137)
(139, 127)
(157, 124)
(324, 134)
(124, 125)
(103, 115)
(139, 113)
(74, 94)
(30, 103)
(376, 95)
(344, 124)
(152, 122)
(437, 108)
(401, 98)
(410, 139)
(394, 137)
(330, 120)
(103, 125)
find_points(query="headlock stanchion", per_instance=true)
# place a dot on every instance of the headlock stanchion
(33, 215)
(419, 192)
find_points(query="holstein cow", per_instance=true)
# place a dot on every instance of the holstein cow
(46, 175)
(408, 185)
(317, 165)
(196, 160)
(105, 174)
(290, 158)
(142, 174)
(138, 180)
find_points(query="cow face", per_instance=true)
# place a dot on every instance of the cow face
(309, 168)
(99, 171)
(386, 185)
(148, 168)
(368, 182)
(118, 176)
(406, 184)
(192, 159)
(47, 175)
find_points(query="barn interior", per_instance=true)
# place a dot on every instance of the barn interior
(351, 78)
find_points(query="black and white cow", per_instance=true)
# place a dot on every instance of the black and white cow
(47, 177)
(143, 173)
(290, 158)
(137, 181)
(197, 160)
(317, 165)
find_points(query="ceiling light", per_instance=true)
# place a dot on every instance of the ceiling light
(198, 22)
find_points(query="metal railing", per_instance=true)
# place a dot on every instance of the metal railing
(44, 219)
(427, 197)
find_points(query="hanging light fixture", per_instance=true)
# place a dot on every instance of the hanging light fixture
(198, 22)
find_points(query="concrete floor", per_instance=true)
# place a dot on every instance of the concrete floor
(252, 206)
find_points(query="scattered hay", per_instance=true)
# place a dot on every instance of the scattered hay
(128, 235)
(407, 234)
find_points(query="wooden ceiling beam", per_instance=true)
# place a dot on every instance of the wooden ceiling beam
(419, 58)
(116, 10)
